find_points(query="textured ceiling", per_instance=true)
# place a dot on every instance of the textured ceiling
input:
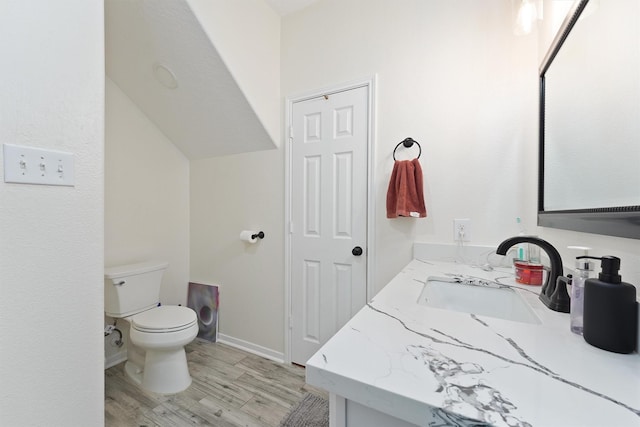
(207, 114)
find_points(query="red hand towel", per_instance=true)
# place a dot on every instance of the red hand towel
(405, 195)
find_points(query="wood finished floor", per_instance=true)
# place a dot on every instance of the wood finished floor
(230, 388)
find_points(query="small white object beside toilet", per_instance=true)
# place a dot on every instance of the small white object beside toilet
(156, 359)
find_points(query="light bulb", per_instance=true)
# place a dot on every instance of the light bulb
(525, 18)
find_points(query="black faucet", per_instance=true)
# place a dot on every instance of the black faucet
(553, 293)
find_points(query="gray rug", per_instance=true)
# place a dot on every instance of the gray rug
(311, 411)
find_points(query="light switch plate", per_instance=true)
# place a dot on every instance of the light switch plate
(30, 165)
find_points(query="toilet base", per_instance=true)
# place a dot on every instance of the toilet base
(164, 372)
(133, 371)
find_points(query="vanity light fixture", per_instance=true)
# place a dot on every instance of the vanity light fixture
(526, 16)
(165, 76)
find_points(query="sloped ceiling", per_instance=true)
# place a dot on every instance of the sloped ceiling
(203, 112)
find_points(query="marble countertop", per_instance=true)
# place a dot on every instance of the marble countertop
(430, 366)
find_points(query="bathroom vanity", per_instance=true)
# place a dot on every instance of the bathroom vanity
(407, 358)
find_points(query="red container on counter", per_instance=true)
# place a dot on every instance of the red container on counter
(528, 273)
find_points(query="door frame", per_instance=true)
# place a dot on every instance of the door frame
(370, 84)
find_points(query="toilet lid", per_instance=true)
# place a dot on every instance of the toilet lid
(166, 318)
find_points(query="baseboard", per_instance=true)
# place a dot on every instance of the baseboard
(249, 347)
(115, 359)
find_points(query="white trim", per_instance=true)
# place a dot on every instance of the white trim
(287, 228)
(370, 84)
(337, 411)
(247, 346)
(250, 347)
(371, 196)
(115, 359)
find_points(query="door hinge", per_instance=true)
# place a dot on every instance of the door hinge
(290, 133)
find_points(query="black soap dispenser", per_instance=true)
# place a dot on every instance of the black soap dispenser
(610, 310)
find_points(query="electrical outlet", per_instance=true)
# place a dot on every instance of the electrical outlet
(462, 230)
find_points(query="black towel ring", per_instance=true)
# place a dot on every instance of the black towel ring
(407, 142)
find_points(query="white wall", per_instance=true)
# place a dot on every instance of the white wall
(146, 202)
(230, 194)
(452, 75)
(146, 195)
(51, 257)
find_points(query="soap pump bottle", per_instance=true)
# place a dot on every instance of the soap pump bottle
(610, 310)
(583, 270)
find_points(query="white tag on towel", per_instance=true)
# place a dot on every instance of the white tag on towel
(414, 214)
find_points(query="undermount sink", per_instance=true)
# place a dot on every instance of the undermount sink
(476, 297)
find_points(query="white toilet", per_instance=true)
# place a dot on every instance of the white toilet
(156, 359)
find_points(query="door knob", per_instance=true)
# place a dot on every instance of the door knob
(357, 251)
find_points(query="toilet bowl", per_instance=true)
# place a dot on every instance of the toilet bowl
(156, 359)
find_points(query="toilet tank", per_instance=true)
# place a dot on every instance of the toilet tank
(132, 288)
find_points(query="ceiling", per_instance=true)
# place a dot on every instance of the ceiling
(160, 56)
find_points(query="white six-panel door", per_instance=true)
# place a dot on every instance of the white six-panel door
(328, 215)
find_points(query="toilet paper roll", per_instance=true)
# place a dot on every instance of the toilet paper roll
(245, 235)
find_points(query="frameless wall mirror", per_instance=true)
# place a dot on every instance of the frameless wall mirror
(589, 177)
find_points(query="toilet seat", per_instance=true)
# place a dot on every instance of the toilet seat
(164, 319)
